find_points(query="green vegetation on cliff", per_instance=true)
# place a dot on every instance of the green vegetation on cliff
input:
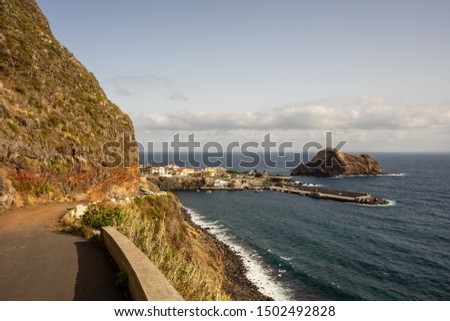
(54, 117)
(189, 258)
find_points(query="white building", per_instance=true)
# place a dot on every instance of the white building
(157, 170)
(220, 183)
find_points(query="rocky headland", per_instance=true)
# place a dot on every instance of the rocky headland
(331, 163)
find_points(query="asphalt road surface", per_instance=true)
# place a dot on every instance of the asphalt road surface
(39, 263)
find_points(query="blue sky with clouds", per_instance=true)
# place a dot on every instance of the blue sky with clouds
(377, 73)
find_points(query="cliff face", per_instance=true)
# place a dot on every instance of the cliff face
(54, 119)
(330, 163)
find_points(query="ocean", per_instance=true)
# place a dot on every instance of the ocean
(299, 248)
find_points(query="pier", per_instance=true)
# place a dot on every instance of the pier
(224, 181)
(221, 188)
(329, 194)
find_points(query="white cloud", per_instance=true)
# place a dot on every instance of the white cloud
(365, 114)
(368, 124)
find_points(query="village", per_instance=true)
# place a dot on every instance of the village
(209, 178)
(173, 177)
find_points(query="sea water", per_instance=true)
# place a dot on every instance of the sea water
(300, 248)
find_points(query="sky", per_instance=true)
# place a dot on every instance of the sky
(375, 73)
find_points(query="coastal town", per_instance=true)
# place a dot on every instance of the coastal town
(210, 177)
(172, 177)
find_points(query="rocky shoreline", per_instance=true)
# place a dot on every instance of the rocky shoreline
(238, 286)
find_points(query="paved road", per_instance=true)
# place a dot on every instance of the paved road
(38, 263)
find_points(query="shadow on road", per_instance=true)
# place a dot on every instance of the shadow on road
(96, 274)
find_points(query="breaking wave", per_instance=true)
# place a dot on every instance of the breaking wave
(256, 272)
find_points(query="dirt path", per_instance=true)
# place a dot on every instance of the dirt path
(38, 263)
(25, 218)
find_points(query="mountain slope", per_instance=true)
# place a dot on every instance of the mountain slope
(55, 118)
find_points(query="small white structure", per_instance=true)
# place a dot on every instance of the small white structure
(159, 170)
(220, 183)
(78, 211)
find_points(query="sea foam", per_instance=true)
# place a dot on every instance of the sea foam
(376, 175)
(389, 203)
(393, 175)
(256, 272)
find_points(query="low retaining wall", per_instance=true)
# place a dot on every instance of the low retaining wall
(145, 281)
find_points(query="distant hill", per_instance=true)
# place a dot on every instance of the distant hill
(54, 118)
(330, 162)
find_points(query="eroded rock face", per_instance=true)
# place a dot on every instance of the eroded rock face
(54, 119)
(7, 192)
(331, 163)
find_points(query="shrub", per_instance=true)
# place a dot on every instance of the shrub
(36, 83)
(54, 122)
(47, 188)
(155, 225)
(98, 216)
(138, 201)
(56, 165)
(33, 102)
(58, 103)
(20, 89)
(13, 126)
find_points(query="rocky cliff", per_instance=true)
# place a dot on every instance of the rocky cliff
(55, 119)
(330, 163)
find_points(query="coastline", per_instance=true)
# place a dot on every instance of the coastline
(237, 286)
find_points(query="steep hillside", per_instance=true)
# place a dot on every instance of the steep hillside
(54, 118)
(198, 265)
(330, 163)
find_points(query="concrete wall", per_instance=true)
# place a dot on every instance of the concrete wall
(145, 281)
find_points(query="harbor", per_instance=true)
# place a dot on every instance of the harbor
(173, 178)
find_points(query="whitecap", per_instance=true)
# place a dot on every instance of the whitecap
(376, 175)
(389, 203)
(312, 185)
(392, 175)
(256, 272)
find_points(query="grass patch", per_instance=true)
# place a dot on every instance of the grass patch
(155, 225)
(33, 188)
(20, 89)
(13, 126)
(56, 165)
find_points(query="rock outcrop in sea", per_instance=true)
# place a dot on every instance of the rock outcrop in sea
(55, 119)
(330, 163)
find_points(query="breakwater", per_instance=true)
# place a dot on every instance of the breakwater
(330, 194)
(273, 183)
